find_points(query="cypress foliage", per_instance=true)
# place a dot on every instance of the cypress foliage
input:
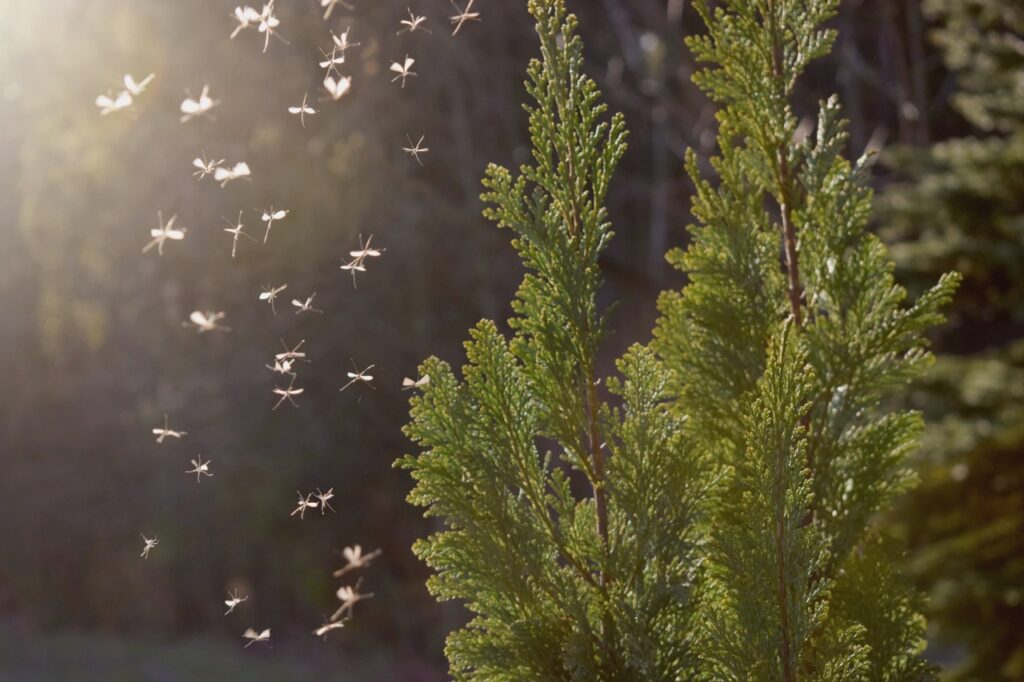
(962, 205)
(562, 585)
(785, 346)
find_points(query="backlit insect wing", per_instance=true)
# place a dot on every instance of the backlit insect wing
(302, 110)
(233, 600)
(207, 321)
(355, 559)
(200, 468)
(190, 108)
(282, 367)
(327, 627)
(324, 498)
(167, 432)
(329, 4)
(293, 353)
(414, 150)
(164, 232)
(176, 234)
(270, 295)
(268, 22)
(253, 636)
(342, 42)
(403, 69)
(287, 393)
(365, 251)
(137, 89)
(306, 306)
(226, 175)
(205, 166)
(235, 230)
(463, 16)
(148, 544)
(409, 384)
(109, 104)
(269, 216)
(246, 17)
(413, 23)
(348, 596)
(304, 504)
(337, 88)
(332, 60)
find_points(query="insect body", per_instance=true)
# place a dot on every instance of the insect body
(200, 468)
(253, 636)
(403, 69)
(207, 321)
(167, 432)
(191, 108)
(302, 110)
(164, 232)
(148, 544)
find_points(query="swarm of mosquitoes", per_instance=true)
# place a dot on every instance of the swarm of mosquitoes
(336, 86)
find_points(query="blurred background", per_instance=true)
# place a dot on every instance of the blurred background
(95, 352)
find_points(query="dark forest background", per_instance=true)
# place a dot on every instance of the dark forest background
(95, 353)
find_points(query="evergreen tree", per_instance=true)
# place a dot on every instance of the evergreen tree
(962, 205)
(562, 585)
(785, 346)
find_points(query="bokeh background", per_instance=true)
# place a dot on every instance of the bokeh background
(94, 352)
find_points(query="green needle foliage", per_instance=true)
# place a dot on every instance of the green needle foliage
(785, 346)
(563, 585)
(962, 205)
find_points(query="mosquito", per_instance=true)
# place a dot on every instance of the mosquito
(337, 88)
(167, 432)
(359, 376)
(404, 70)
(136, 89)
(304, 504)
(109, 103)
(413, 23)
(414, 150)
(302, 110)
(191, 108)
(463, 15)
(355, 559)
(327, 627)
(269, 216)
(306, 306)
(331, 60)
(329, 4)
(270, 295)
(200, 468)
(236, 231)
(246, 17)
(349, 597)
(324, 498)
(287, 393)
(164, 232)
(226, 175)
(205, 166)
(149, 543)
(358, 262)
(292, 354)
(342, 41)
(254, 636)
(365, 251)
(207, 321)
(409, 384)
(268, 22)
(282, 367)
(233, 600)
